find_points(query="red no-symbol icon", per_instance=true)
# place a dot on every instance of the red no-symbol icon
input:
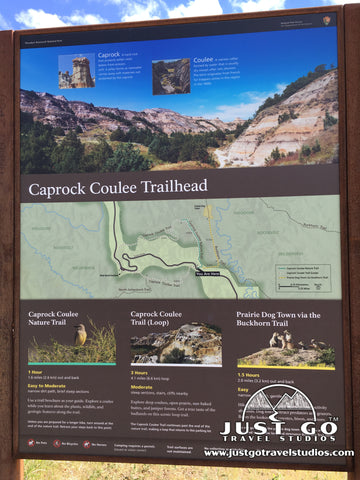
(86, 444)
(31, 442)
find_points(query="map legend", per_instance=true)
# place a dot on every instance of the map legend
(306, 278)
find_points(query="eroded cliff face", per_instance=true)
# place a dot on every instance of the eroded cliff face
(182, 75)
(171, 78)
(57, 111)
(195, 343)
(287, 126)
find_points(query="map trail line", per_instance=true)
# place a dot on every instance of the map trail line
(134, 268)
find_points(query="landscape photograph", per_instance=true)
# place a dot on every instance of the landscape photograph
(285, 350)
(171, 77)
(208, 111)
(190, 344)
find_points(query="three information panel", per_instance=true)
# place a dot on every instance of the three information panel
(180, 278)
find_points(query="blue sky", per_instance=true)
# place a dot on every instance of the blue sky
(260, 62)
(256, 54)
(22, 14)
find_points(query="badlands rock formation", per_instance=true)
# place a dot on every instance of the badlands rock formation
(306, 110)
(195, 343)
(57, 111)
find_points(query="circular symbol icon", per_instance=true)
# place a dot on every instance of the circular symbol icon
(57, 443)
(31, 442)
(86, 444)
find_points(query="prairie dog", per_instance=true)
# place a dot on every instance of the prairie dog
(274, 340)
(283, 341)
(289, 340)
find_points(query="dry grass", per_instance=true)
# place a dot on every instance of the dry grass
(100, 347)
(60, 470)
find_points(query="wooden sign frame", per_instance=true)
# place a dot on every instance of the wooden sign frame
(349, 104)
(352, 62)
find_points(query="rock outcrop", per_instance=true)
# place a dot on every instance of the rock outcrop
(182, 75)
(276, 357)
(80, 78)
(287, 126)
(195, 343)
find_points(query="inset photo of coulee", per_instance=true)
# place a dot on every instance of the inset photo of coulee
(171, 77)
(81, 341)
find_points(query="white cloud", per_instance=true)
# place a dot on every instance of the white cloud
(156, 9)
(137, 11)
(228, 113)
(81, 18)
(280, 87)
(339, 2)
(39, 19)
(242, 110)
(4, 25)
(258, 5)
(195, 8)
(251, 101)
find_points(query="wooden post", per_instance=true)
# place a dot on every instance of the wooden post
(9, 467)
(352, 66)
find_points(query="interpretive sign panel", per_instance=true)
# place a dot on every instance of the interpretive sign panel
(180, 281)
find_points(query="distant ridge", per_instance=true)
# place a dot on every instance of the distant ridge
(57, 111)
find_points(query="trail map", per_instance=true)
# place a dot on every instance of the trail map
(277, 247)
